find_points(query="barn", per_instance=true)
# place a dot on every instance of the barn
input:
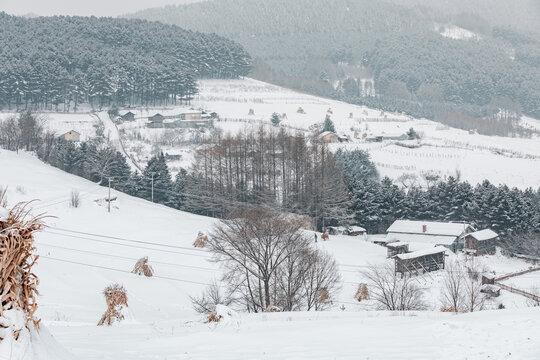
(129, 116)
(481, 242)
(397, 248)
(422, 261)
(447, 234)
(155, 121)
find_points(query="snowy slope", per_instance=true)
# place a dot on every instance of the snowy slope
(87, 248)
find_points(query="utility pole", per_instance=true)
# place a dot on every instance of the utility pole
(152, 187)
(109, 202)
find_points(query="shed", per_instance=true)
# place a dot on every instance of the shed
(449, 235)
(422, 261)
(71, 136)
(397, 248)
(129, 116)
(491, 290)
(355, 231)
(481, 242)
(156, 121)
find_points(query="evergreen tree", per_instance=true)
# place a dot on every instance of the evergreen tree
(157, 170)
(275, 119)
(328, 125)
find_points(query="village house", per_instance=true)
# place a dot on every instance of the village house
(422, 261)
(481, 242)
(71, 136)
(129, 116)
(449, 235)
(155, 121)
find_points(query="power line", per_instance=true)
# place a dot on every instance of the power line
(122, 271)
(128, 245)
(125, 239)
(126, 258)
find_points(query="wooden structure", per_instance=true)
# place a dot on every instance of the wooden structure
(129, 116)
(355, 231)
(71, 136)
(421, 261)
(397, 248)
(481, 242)
(491, 290)
(156, 121)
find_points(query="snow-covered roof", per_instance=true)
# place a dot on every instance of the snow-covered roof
(419, 253)
(4, 213)
(486, 234)
(356, 228)
(421, 238)
(397, 244)
(432, 228)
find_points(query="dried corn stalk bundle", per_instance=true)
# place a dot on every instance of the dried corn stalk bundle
(116, 298)
(362, 293)
(142, 267)
(18, 284)
(201, 240)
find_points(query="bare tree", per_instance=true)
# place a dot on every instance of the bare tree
(75, 199)
(258, 242)
(269, 261)
(393, 292)
(474, 299)
(453, 287)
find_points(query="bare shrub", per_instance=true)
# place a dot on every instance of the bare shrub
(536, 301)
(201, 240)
(474, 299)
(18, 284)
(142, 267)
(393, 292)
(75, 199)
(210, 298)
(116, 298)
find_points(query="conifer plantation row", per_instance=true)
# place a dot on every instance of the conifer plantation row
(58, 63)
(293, 173)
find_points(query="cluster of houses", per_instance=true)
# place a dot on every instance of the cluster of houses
(438, 237)
(187, 119)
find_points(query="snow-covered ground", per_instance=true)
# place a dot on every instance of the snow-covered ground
(443, 150)
(457, 33)
(85, 249)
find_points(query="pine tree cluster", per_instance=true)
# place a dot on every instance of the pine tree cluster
(58, 63)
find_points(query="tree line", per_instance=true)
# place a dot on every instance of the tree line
(60, 63)
(291, 173)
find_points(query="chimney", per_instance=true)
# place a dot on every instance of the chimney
(424, 228)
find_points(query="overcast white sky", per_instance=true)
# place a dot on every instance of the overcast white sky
(81, 7)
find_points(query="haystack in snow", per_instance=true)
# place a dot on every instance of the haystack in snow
(116, 297)
(251, 112)
(362, 293)
(323, 297)
(18, 284)
(300, 110)
(272, 309)
(201, 240)
(142, 267)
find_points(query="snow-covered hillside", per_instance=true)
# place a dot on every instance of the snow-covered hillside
(442, 151)
(87, 248)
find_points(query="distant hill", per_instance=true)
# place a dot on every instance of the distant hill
(61, 62)
(330, 47)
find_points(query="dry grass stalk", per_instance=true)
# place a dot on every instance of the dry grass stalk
(18, 284)
(142, 267)
(362, 293)
(116, 297)
(213, 318)
(201, 240)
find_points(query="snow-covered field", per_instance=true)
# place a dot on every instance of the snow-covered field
(85, 249)
(443, 151)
